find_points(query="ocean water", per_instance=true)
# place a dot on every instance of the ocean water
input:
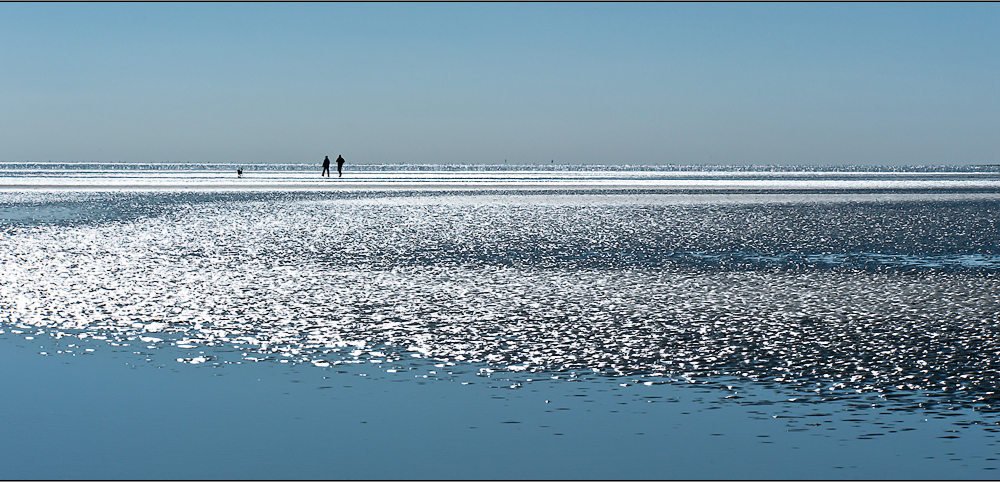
(784, 322)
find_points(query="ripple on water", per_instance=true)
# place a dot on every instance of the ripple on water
(828, 298)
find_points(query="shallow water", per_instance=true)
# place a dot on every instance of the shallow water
(870, 310)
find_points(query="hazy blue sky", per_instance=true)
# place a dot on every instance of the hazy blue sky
(641, 83)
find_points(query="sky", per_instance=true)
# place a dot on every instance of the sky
(570, 83)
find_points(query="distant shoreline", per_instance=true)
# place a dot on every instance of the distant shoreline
(487, 167)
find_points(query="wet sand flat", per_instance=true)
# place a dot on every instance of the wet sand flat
(525, 333)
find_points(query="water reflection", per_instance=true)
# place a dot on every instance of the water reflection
(838, 301)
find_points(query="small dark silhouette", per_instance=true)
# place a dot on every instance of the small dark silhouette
(340, 165)
(239, 172)
(326, 167)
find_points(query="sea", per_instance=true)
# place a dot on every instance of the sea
(543, 321)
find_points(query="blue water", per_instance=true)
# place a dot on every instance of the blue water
(832, 314)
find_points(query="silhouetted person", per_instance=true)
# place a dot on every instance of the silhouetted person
(239, 172)
(340, 165)
(326, 167)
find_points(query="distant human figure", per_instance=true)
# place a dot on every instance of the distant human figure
(239, 172)
(326, 167)
(340, 165)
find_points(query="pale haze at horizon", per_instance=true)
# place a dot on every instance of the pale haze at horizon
(606, 83)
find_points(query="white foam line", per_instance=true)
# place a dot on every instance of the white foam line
(396, 181)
